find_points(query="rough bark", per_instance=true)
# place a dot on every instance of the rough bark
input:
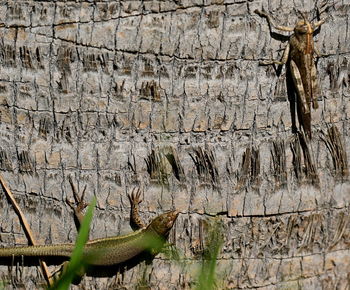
(169, 95)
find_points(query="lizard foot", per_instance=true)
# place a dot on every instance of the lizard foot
(62, 271)
(78, 205)
(135, 197)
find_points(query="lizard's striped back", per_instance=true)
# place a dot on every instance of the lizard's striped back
(59, 250)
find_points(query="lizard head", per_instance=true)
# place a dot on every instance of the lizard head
(163, 223)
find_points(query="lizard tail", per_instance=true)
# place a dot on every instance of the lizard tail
(60, 250)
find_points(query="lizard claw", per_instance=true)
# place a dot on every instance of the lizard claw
(79, 204)
(135, 196)
(135, 200)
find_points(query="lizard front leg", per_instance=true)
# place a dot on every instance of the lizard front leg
(78, 205)
(135, 219)
(137, 223)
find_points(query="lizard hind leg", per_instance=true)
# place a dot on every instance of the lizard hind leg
(62, 271)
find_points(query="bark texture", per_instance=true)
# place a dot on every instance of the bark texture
(169, 96)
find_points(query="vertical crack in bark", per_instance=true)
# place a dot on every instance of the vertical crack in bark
(297, 165)
(205, 163)
(7, 54)
(25, 164)
(5, 162)
(156, 167)
(313, 225)
(161, 163)
(250, 169)
(342, 225)
(174, 160)
(150, 91)
(44, 128)
(303, 164)
(278, 154)
(334, 144)
(310, 168)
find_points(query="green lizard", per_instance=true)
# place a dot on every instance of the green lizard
(111, 250)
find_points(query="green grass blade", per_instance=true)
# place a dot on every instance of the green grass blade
(214, 242)
(76, 264)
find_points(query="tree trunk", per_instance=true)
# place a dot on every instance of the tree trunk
(169, 96)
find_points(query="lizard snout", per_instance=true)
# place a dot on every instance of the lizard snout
(172, 216)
